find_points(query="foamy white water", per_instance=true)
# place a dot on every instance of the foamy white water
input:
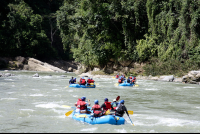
(29, 104)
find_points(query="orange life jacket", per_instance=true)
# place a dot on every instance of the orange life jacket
(108, 106)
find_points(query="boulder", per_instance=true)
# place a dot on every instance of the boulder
(36, 75)
(168, 78)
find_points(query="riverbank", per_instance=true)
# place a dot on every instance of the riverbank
(31, 64)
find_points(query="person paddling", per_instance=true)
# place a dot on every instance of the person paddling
(96, 109)
(114, 103)
(72, 80)
(106, 105)
(121, 109)
(82, 81)
(81, 105)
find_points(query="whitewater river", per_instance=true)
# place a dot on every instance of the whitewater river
(38, 105)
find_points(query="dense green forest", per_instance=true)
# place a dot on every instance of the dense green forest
(163, 33)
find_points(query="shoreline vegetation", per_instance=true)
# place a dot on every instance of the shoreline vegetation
(151, 39)
(31, 64)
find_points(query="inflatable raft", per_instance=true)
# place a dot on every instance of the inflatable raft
(105, 119)
(126, 84)
(82, 86)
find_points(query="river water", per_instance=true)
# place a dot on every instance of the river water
(38, 105)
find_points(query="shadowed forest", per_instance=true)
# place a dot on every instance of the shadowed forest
(162, 33)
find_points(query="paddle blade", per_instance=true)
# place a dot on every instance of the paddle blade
(118, 97)
(66, 87)
(116, 84)
(107, 112)
(66, 106)
(130, 112)
(68, 113)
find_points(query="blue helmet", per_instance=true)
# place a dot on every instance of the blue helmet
(96, 102)
(122, 101)
(82, 77)
(106, 99)
(74, 78)
(83, 98)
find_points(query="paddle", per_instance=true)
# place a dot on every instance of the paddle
(131, 121)
(107, 112)
(130, 112)
(68, 106)
(68, 113)
(118, 97)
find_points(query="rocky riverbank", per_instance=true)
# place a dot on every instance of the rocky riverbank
(31, 64)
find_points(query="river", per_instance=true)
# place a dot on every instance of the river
(38, 105)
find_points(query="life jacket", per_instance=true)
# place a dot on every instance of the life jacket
(74, 80)
(89, 81)
(120, 81)
(128, 80)
(133, 80)
(108, 106)
(83, 81)
(117, 76)
(120, 109)
(92, 81)
(96, 109)
(130, 77)
(114, 104)
(81, 105)
(71, 81)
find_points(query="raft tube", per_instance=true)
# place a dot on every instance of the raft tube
(105, 119)
(82, 86)
(126, 84)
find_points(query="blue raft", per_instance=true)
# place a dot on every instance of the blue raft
(82, 86)
(126, 84)
(105, 119)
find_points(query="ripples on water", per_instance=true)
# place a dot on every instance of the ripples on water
(30, 104)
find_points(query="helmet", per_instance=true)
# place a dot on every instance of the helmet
(91, 78)
(114, 100)
(96, 102)
(83, 98)
(74, 78)
(106, 99)
(122, 101)
(82, 77)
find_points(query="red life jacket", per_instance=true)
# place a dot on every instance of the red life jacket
(108, 106)
(120, 81)
(81, 105)
(117, 76)
(82, 81)
(130, 77)
(92, 81)
(89, 81)
(134, 78)
(96, 108)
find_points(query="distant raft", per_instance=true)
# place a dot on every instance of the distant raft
(105, 119)
(126, 84)
(83, 86)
